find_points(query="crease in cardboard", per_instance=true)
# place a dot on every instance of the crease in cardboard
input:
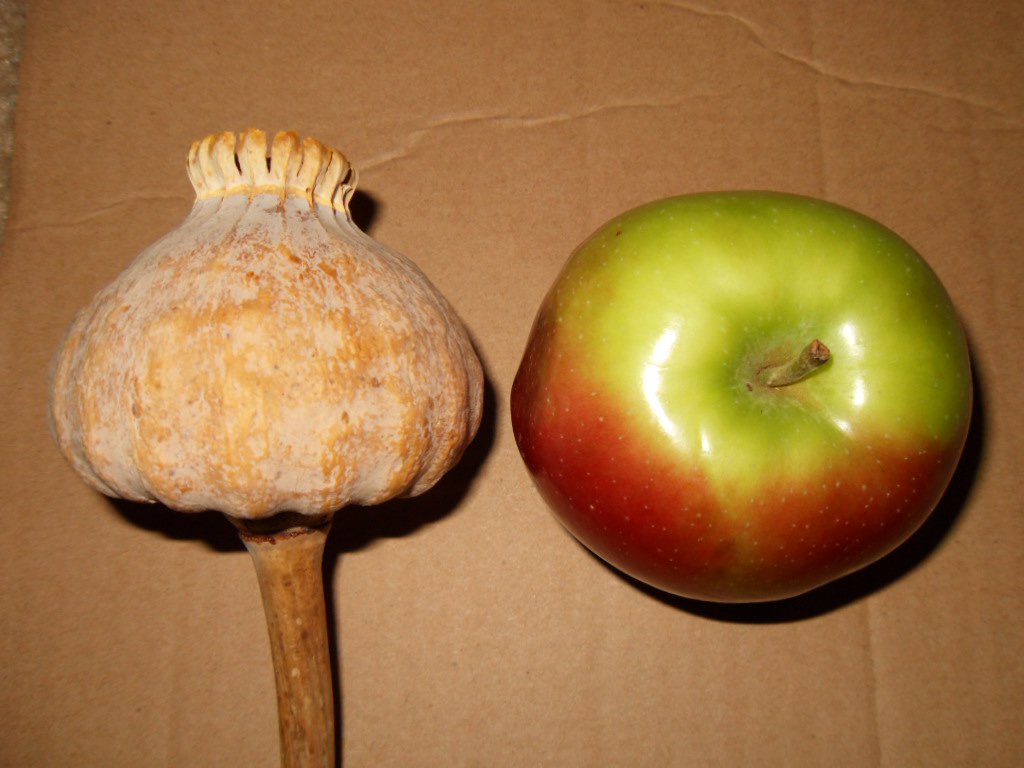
(96, 213)
(817, 68)
(408, 145)
(873, 684)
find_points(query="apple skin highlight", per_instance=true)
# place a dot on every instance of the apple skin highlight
(789, 488)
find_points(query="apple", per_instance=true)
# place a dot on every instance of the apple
(741, 396)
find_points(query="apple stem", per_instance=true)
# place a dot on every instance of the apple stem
(812, 357)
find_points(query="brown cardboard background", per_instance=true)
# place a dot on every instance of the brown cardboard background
(491, 138)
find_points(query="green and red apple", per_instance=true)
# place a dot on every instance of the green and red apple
(742, 396)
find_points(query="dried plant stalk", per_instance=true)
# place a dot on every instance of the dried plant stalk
(289, 570)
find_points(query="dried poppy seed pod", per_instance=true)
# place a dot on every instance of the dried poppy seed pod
(267, 357)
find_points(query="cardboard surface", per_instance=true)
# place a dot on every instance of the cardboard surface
(491, 138)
